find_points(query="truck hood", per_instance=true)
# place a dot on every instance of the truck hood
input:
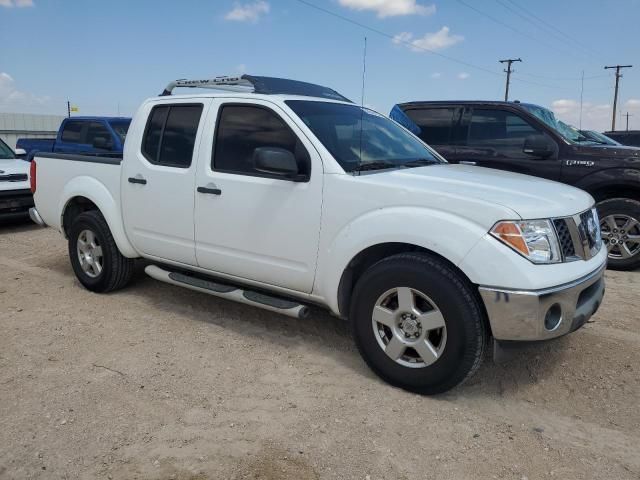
(528, 197)
(12, 167)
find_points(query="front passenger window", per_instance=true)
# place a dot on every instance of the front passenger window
(244, 128)
(499, 130)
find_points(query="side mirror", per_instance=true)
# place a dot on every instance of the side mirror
(102, 143)
(20, 153)
(277, 161)
(538, 146)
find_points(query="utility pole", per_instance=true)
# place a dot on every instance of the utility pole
(628, 115)
(508, 71)
(68, 109)
(615, 95)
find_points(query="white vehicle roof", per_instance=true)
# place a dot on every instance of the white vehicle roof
(256, 85)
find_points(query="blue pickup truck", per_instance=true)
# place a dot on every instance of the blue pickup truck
(103, 136)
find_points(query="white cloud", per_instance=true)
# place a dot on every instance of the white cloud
(248, 12)
(16, 3)
(241, 69)
(390, 8)
(12, 99)
(463, 76)
(436, 75)
(595, 116)
(430, 41)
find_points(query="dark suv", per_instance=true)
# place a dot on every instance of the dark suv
(626, 137)
(528, 139)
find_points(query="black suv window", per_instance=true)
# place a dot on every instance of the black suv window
(96, 130)
(498, 129)
(242, 129)
(435, 124)
(72, 132)
(171, 134)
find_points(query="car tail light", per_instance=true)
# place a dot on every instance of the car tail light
(32, 175)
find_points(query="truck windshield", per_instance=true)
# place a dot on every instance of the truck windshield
(120, 127)
(361, 139)
(5, 152)
(572, 135)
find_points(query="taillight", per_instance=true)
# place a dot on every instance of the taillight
(32, 175)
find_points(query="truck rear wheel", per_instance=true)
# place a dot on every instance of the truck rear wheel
(417, 323)
(94, 255)
(620, 226)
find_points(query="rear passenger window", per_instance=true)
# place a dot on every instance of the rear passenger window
(242, 129)
(96, 130)
(72, 132)
(171, 134)
(435, 124)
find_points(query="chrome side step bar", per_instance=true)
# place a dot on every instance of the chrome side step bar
(230, 292)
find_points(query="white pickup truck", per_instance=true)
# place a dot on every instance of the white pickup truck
(15, 196)
(282, 194)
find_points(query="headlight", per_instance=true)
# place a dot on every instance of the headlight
(533, 239)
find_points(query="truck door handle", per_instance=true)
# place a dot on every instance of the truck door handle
(139, 180)
(210, 190)
(467, 162)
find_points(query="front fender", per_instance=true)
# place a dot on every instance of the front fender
(609, 178)
(448, 235)
(99, 194)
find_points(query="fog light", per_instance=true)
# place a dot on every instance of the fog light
(553, 317)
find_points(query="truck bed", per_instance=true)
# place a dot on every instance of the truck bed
(62, 169)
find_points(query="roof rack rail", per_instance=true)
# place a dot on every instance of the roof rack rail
(255, 84)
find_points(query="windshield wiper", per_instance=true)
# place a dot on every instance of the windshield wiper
(377, 165)
(420, 162)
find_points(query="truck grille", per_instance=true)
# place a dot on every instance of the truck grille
(564, 237)
(579, 235)
(14, 177)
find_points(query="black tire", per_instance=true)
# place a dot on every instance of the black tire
(458, 303)
(620, 208)
(117, 270)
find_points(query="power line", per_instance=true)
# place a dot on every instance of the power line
(396, 39)
(512, 28)
(547, 24)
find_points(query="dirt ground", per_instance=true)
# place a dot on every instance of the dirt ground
(158, 382)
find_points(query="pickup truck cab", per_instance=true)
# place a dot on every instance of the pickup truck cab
(282, 194)
(82, 135)
(527, 138)
(15, 195)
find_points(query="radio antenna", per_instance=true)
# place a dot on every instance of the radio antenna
(364, 75)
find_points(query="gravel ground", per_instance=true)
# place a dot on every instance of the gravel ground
(158, 382)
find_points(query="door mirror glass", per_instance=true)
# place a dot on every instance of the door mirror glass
(276, 161)
(538, 146)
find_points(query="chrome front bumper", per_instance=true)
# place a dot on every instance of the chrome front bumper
(35, 217)
(543, 314)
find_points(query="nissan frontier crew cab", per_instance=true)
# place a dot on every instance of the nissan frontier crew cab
(282, 194)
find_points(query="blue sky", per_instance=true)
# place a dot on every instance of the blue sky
(108, 56)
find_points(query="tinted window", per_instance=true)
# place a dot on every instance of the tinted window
(96, 130)
(360, 138)
(242, 129)
(121, 127)
(72, 132)
(171, 134)
(498, 129)
(435, 124)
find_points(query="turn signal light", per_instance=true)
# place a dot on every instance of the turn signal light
(510, 233)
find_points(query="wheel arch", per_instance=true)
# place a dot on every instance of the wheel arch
(85, 193)
(373, 254)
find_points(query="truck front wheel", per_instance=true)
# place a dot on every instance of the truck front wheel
(94, 255)
(620, 226)
(417, 323)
